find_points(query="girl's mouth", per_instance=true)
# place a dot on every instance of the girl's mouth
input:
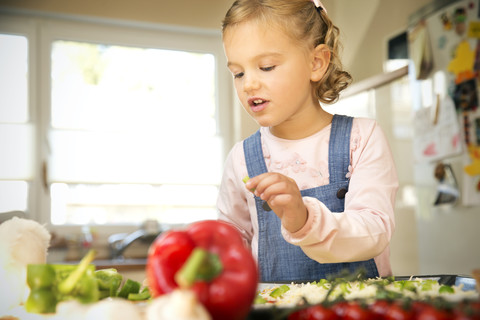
(257, 104)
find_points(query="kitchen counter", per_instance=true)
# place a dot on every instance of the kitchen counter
(122, 265)
(129, 268)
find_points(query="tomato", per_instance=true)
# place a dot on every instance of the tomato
(340, 308)
(355, 311)
(379, 309)
(297, 315)
(320, 312)
(398, 312)
(317, 312)
(432, 313)
(464, 315)
(475, 306)
(419, 306)
(467, 311)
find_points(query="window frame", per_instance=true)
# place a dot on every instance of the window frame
(42, 29)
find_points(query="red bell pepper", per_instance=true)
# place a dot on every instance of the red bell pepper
(210, 258)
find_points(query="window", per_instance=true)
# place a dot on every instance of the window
(128, 126)
(15, 131)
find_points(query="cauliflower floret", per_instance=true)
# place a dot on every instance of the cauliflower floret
(177, 305)
(22, 242)
(113, 309)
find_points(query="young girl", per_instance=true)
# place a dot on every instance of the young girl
(322, 188)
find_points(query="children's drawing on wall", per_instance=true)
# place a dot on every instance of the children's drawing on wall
(451, 126)
(464, 66)
(437, 133)
(460, 18)
(420, 50)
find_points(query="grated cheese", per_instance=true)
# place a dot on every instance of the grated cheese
(313, 293)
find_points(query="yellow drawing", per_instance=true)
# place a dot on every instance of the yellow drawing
(474, 167)
(474, 29)
(447, 23)
(462, 64)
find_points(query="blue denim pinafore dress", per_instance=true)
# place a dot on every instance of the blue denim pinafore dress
(279, 260)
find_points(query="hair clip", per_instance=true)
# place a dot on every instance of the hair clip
(319, 5)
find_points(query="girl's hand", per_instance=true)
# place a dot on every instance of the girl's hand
(283, 196)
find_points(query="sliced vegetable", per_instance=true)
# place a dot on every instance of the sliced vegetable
(66, 286)
(40, 276)
(52, 283)
(280, 291)
(109, 280)
(245, 180)
(41, 300)
(259, 300)
(143, 295)
(446, 289)
(129, 287)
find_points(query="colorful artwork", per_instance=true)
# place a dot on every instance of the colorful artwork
(455, 35)
(437, 133)
(462, 63)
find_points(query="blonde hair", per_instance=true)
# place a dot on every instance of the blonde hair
(304, 24)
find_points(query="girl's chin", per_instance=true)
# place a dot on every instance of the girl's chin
(264, 122)
(264, 119)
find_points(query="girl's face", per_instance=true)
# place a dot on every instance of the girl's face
(272, 75)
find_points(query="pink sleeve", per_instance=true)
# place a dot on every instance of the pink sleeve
(232, 198)
(363, 231)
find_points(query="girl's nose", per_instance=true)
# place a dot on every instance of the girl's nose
(250, 83)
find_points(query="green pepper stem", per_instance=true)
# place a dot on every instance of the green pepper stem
(67, 285)
(200, 265)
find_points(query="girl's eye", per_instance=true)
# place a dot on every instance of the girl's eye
(238, 75)
(270, 68)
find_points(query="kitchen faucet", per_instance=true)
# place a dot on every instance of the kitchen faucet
(119, 242)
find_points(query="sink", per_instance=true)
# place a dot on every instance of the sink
(120, 263)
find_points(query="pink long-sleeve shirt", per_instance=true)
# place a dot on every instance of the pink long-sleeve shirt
(363, 231)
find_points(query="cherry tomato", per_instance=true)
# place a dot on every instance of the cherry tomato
(475, 306)
(297, 315)
(316, 312)
(432, 313)
(355, 311)
(398, 312)
(465, 312)
(340, 308)
(419, 306)
(320, 312)
(379, 308)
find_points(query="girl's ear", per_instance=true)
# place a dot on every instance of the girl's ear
(320, 62)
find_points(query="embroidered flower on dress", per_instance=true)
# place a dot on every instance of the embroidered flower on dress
(349, 173)
(320, 175)
(355, 138)
(298, 164)
(278, 165)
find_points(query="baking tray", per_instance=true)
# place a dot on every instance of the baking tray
(275, 313)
